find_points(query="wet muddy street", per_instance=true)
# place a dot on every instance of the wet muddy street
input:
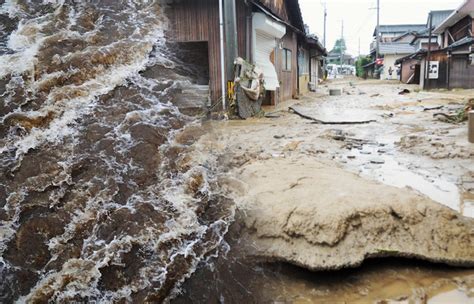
(405, 148)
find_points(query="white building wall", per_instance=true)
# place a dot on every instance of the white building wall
(389, 61)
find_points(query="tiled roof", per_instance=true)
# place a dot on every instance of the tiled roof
(396, 48)
(461, 42)
(400, 28)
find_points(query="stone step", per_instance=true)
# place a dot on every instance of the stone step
(192, 100)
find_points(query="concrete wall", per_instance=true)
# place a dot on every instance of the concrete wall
(389, 61)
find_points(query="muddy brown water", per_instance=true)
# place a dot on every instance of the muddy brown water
(99, 200)
(233, 278)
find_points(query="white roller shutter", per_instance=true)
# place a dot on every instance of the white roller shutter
(266, 32)
(265, 45)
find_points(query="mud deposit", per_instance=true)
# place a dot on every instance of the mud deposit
(292, 179)
(99, 200)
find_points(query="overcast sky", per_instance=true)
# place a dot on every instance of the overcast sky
(360, 17)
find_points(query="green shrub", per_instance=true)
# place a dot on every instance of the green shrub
(361, 61)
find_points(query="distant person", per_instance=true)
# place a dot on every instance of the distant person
(390, 72)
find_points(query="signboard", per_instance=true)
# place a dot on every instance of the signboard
(433, 70)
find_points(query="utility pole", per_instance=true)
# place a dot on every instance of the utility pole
(340, 45)
(359, 47)
(230, 27)
(377, 37)
(325, 21)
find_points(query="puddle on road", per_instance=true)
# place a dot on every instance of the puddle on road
(386, 169)
(392, 173)
(376, 281)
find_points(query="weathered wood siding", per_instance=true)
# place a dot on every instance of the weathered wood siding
(288, 79)
(408, 69)
(461, 29)
(198, 20)
(278, 7)
(442, 81)
(461, 73)
(244, 19)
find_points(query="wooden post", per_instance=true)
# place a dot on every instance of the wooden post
(471, 126)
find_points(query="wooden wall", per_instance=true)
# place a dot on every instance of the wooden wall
(198, 20)
(461, 29)
(442, 81)
(278, 7)
(408, 69)
(288, 80)
(461, 73)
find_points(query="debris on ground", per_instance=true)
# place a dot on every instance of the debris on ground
(248, 91)
(350, 142)
(377, 161)
(318, 121)
(432, 108)
(459, 116)
(292, 146)
(404, 91)
(375, 95)
(271, 115)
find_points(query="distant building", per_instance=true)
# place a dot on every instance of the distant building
(452, 66)
(335, 58)
(451, 62)
(394, 42)
(410, 65)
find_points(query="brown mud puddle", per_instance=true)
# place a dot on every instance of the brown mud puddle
(232, 278)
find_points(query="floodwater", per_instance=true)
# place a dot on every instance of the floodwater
(98, 198)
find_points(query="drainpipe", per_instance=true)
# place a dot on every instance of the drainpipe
(230, 18)
(223, 74)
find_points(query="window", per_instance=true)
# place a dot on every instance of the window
(286, 60)
(303, 62)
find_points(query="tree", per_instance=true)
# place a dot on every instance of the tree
(340, 43)
(361, 61)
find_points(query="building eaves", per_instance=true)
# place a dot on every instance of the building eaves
(400, 28)
(465, 9)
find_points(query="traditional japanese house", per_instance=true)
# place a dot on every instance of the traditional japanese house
(268, 33)
(452, 66)
(410, 65)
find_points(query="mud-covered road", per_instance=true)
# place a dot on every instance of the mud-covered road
(329, 197)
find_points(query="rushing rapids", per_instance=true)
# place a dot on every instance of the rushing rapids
(99, 198)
